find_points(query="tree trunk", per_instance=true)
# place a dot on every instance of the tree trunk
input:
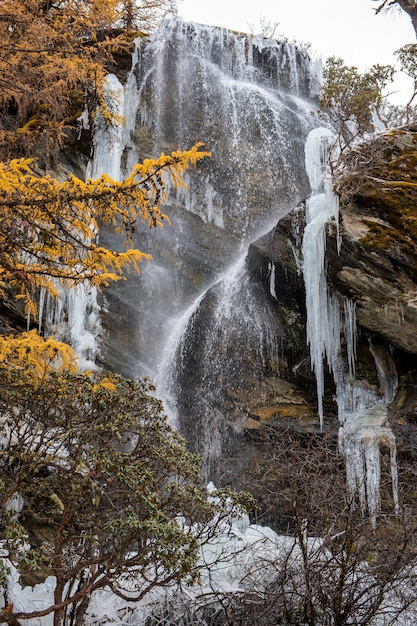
(59, 613)
(410, 7)
(129, 14)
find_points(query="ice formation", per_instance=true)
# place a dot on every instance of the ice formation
(362, 412)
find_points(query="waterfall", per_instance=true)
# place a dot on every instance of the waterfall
(249, 103)
(108, 143)
(238, 97)
(195, 303)
(362, 411)
(223, 344)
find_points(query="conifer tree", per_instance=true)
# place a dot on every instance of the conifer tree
(54, 55)
(48, 233)
(91, 456)
(144, 15)
(53, 59)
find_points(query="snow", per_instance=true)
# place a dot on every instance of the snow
(241, 557)
(245, 558)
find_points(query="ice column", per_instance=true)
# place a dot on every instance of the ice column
(108, 141)
(323, 315)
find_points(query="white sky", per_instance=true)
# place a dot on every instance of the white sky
(343, 28)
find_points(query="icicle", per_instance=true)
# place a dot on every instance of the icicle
(387, 373)
(107, 140)
(83, 122)
(394, 477)
(271, 269)
(41, 306)
(350, 334)
(74, 315)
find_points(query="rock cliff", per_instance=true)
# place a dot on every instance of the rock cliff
(375, 268)
(240, 368)
(241, 363)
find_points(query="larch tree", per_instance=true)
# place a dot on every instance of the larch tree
(145, 15)
(53, 60)
(49, 228)
(91, 456)
(48, 234)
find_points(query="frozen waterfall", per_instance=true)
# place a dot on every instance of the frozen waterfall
(362, 412)
(73, 315)
(108, 139)
(323, 315)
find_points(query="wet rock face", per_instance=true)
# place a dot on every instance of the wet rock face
(247, 101)
(280, 249)
(227, 368)
(250, 103)
(137, 314)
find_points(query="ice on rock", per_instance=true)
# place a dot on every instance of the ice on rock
(362, 412)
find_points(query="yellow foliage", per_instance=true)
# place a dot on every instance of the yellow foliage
(108, 382)
(49, 229)
(52, 54)
(32, 357)
(53, 59)
(56, 500)
(48, 236)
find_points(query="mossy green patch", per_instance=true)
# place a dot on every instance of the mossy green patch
(382, 178)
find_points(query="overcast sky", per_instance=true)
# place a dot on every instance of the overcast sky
(344, 28)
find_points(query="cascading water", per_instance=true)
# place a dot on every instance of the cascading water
(362, 411)
(222, 347)
(248, 100)
(197, 298)
(108, 140)
(248, 106)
